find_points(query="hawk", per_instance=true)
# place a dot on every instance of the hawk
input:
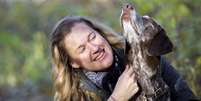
(146, 41)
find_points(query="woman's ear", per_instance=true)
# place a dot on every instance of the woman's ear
(74, 64)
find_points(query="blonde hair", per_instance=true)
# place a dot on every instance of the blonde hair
(66, 82)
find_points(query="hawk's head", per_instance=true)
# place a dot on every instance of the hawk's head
(131, 22)
(144, 29)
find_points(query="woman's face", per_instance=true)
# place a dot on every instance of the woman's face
(87, 48)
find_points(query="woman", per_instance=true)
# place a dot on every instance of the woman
(89, 64)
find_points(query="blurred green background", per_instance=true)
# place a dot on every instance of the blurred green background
(25, 26)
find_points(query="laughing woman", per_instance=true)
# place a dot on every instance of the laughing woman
(88, 64)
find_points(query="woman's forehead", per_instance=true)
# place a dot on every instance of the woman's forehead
(77, 36)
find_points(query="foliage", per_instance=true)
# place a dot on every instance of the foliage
(25, 27)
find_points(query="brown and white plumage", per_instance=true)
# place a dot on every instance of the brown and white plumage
(146, 40)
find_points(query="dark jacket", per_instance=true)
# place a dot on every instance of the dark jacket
(179, 90)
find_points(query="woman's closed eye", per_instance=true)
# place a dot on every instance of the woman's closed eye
(81, 49)
(92, 36)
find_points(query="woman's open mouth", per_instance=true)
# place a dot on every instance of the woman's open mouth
(100, 55)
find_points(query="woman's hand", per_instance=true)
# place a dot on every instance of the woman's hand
(126, 86)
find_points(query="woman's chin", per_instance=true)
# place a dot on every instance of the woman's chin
(107, 62)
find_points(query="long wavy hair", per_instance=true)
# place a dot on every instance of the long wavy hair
(66, 82)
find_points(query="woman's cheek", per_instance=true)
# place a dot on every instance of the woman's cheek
(99, 39)
(102, 43)
(85, 56)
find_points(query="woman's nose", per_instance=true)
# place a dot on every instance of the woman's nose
(93, 47)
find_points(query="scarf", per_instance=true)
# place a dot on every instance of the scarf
(107, 79)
